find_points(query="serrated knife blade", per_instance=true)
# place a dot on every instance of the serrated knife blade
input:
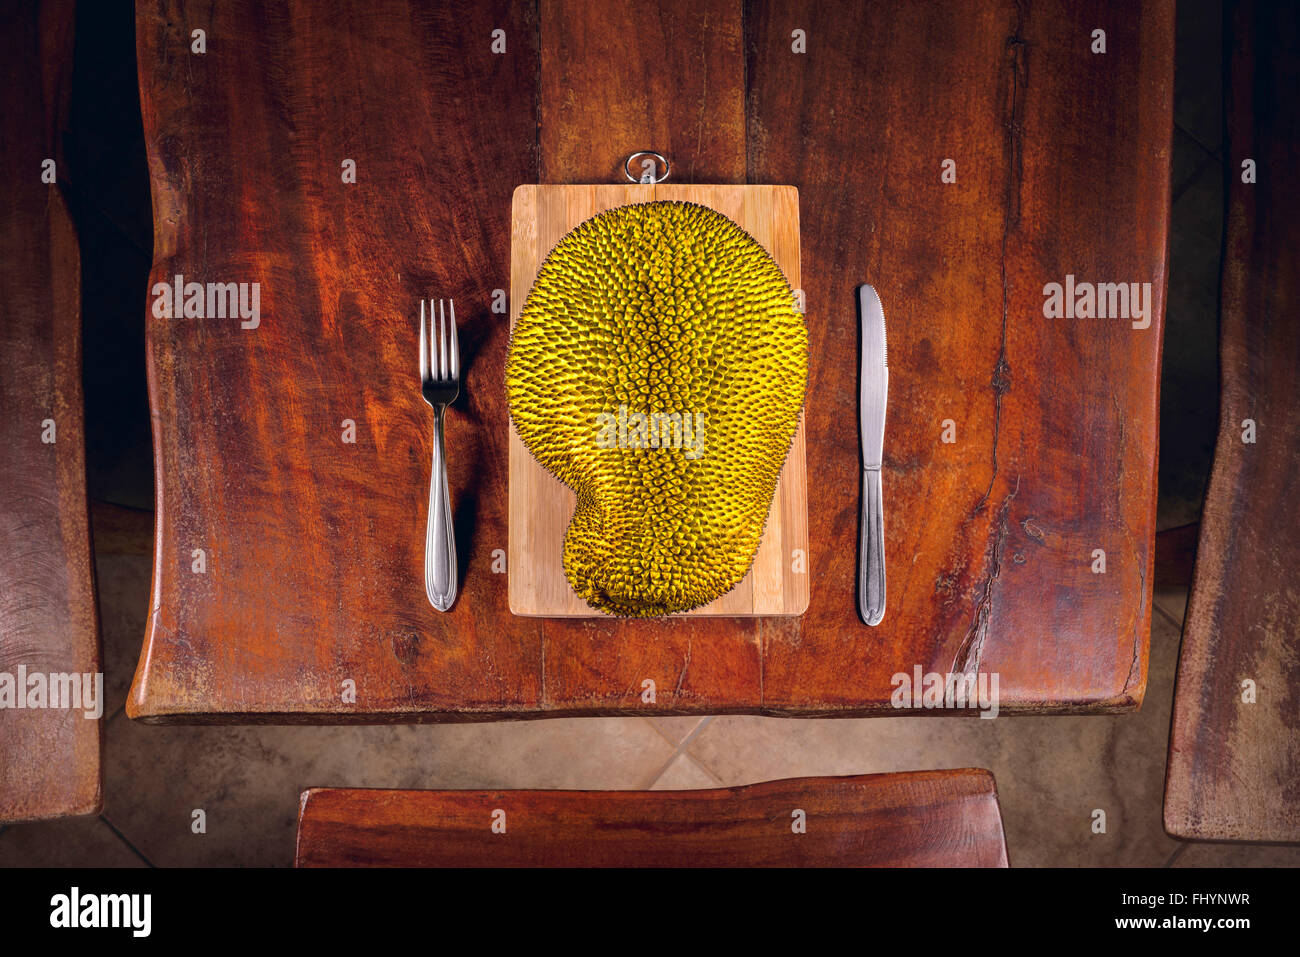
(873, 394)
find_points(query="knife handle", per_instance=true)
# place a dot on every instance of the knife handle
(871, 551)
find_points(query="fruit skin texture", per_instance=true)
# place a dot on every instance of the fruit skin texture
(661, 307)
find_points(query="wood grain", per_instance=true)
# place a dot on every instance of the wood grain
(622, 76)
(990, 538)
(1232, 771)
(49, 758)
(917, 819)
(314, 548)
(618, 77)
(541, 506)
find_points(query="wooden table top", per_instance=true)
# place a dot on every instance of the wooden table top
(311, 548)
(1233, 746)
(912, 819)
(49, 756)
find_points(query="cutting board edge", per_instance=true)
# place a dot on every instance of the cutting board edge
(531, 602)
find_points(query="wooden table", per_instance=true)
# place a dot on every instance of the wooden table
(1234, 749)
(312, 547)
(49, 756)
(914, 819)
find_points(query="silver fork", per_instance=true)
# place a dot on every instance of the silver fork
(440, 384)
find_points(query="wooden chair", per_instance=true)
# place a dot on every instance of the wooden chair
(49, 756)
(1234, 747)
(914, 819)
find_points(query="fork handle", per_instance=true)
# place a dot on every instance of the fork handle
(871, 551)
(439, 542)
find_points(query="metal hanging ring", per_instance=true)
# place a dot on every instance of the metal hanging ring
(627, 165)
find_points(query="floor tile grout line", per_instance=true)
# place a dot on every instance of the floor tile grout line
(125, 840)
(1195, 139)
(1205, 163)
(695, 732)
(672, 741)
(662, 769)
(708, 770)
(679, 750)
(1172, 620)
(1190, 181)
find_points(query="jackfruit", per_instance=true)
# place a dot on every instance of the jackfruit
(658, 368)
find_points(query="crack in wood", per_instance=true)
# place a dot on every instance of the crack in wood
(677, 692)
(967, 660)
(1137, 631)
(1000, 381)
(971, 649)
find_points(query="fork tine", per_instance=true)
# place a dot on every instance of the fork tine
(434, 329)
(442, 342)
(424, 347)
(436, 338)
(455, 343)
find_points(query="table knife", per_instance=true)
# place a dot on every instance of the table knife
(873, 391)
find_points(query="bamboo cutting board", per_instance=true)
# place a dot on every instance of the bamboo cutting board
(541, 506)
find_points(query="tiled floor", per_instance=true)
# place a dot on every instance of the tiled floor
(1052, 772)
